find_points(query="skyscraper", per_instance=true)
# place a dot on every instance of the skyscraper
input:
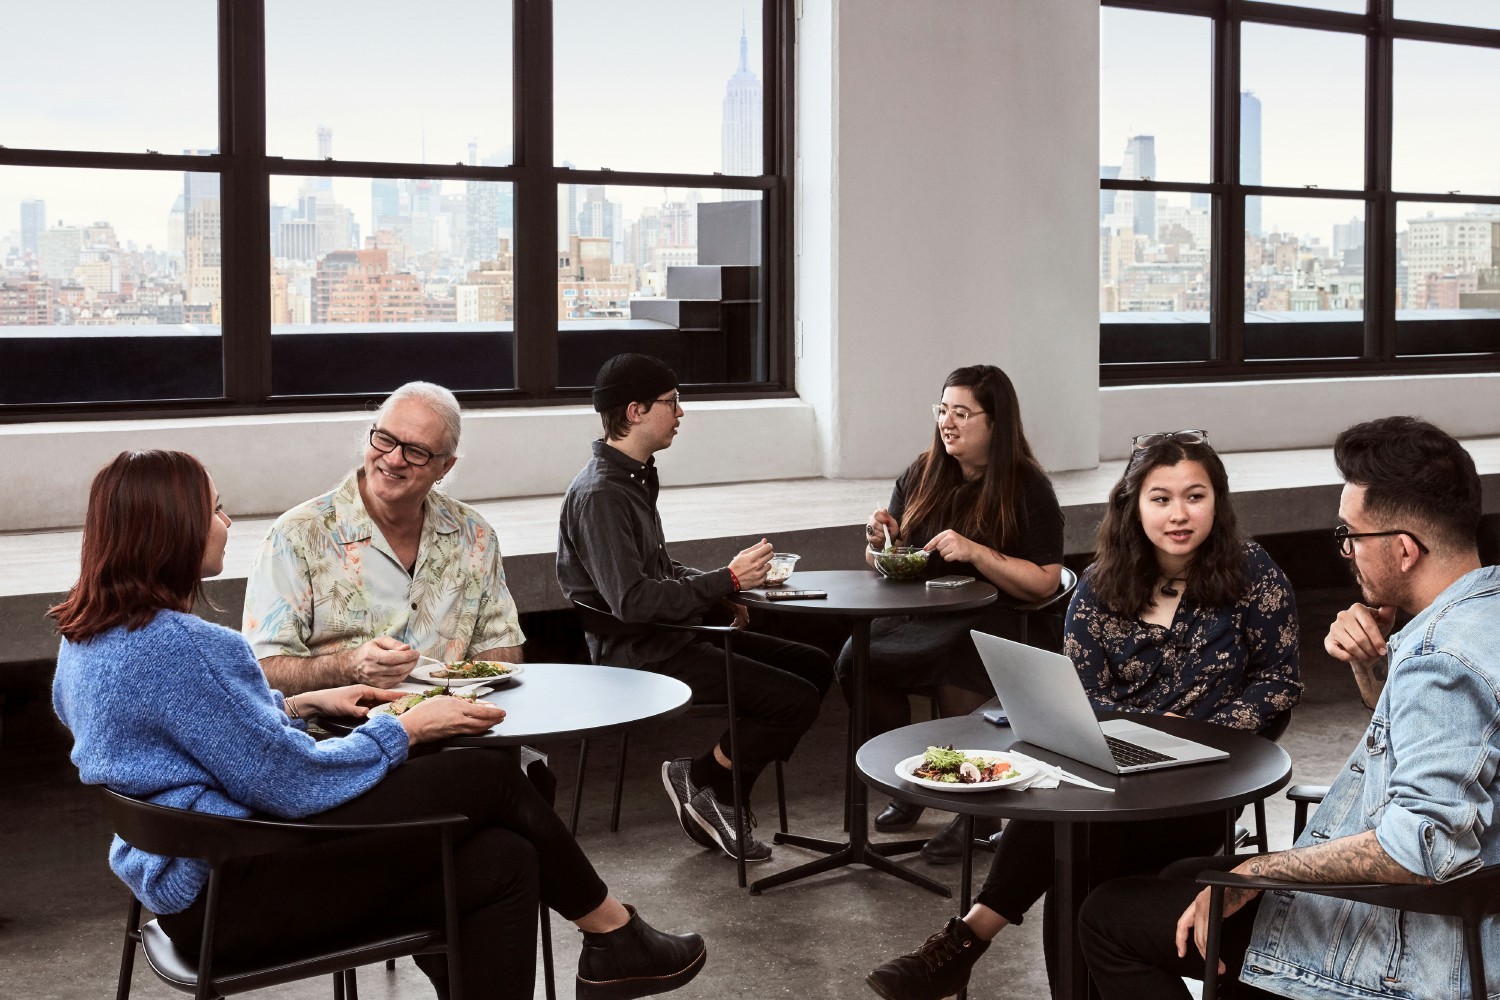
(33, 221)
(741, 138)
(1140, 164)
(1250, 157)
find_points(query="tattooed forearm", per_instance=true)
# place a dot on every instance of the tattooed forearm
(1359, 858)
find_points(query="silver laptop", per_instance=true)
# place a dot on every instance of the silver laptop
(1048, 708)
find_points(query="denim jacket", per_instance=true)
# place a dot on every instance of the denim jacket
(1424, 779)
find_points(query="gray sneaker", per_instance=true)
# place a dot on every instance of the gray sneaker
(680, 789)
(717, 821)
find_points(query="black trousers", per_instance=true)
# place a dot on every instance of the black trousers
(778, 688)
(513, 852)
(1127, 930)
(1021, 872)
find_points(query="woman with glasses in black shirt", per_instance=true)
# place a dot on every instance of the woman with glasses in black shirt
(978, 501)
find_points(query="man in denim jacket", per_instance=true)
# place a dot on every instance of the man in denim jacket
(1417, 800)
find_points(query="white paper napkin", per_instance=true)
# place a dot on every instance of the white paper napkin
(1046, 775)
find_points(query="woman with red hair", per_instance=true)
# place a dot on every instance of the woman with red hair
(169, 708)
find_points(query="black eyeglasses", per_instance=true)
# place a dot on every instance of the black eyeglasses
(1344, 538)
(414, 454)
(675, 400)
(1157, 437)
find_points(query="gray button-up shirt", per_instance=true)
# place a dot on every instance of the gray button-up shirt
(612, 554)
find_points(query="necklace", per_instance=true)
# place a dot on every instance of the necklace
(1167, 590)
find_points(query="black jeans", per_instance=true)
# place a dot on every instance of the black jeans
(1128, 927)
(779, 687)
(1021, 872)
(513, 851)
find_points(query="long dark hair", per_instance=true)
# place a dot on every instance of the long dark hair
(1125, 571)
(143, 542)
(984, 510)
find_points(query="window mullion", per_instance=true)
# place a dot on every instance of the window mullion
(535, 202)
(244, 199)
(1380, 209)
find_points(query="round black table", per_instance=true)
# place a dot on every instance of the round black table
(861, 596)
(1255, 768)
(569, 701)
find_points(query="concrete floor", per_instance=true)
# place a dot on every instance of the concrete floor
(61, 910)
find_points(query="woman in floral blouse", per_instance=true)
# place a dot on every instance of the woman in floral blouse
(1177, 616)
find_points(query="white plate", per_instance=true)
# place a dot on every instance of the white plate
(384, 708)
(422, 674)
(905, 771)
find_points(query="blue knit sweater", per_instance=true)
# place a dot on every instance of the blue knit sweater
(179, 713)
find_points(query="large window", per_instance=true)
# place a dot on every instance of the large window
(1298, 189)
(275, 205)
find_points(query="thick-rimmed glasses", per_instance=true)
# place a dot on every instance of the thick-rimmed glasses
(674, 400)
(1193, 436)
(414, 454)
(960, 414)
(1344, 538)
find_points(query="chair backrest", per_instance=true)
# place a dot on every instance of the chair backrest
(601, 622)
(182, 833)
(1066, 584)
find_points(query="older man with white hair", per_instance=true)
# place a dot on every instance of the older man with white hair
(352, 586)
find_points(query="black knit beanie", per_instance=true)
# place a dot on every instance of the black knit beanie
(631, 378)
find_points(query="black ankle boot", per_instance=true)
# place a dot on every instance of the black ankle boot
(897, 816)
(946, 847)
(637, 960)
(940, 968)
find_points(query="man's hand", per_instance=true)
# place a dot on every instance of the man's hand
(351, 700)
(751, 565)
(739, 611)
(1357, 637)
(954, 547)
(441, 717)
(1194, 920)
(383, 662)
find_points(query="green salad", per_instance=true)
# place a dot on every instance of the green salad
(903, 562)
(951, 766)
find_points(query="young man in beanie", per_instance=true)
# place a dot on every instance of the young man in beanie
(611, 554)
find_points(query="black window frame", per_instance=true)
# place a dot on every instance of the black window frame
(244, 170)
(1379, 353)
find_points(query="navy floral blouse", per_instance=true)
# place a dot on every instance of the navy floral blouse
(1235, 666)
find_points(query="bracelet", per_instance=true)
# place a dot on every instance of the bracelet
(734, 580)
(291, 710)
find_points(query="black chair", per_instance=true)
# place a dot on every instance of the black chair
(601, 622)
(1304, 796)
(179, 833)
(1470, 898)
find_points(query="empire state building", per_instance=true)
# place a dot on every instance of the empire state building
(742, 130)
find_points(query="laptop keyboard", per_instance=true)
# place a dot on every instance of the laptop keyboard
(1130, 755)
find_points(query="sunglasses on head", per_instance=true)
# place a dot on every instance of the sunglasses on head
(1159, 437)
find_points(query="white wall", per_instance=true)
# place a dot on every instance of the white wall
(265, 464)
(1269, 416)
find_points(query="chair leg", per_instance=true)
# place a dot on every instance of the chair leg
(734, 760)
(614, 813)
(390, 965)
(583, 760)
(1262, 838)
(338, 985)
(132, 937)
(545, 919)
(127, 954)
(351, 984)
(1299, 819)
(781, 797)
(1211, 958)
